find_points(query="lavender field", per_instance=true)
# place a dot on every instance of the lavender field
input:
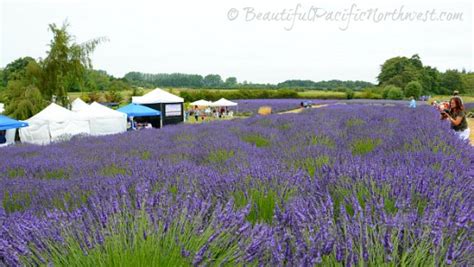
(251, 106)
(340, 186)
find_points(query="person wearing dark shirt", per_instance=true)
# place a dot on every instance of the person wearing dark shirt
(3, 139)
(457, 117)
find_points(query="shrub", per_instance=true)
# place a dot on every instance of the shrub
(349, 94)
(414, 89)
(394, 92)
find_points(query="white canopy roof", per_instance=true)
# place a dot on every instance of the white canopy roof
(55, 113)
(201, 103)
(105, 111)
(52, 124)
(78, 105)
(223, 103)
(157, 96)
(104, 120)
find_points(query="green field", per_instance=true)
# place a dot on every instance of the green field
(310, 94)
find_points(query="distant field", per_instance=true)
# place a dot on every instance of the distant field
(466, 99)
(310, 94)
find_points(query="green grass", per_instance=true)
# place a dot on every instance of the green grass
(312, 165)
(322, 140)
(133, 240)
(220, 156)
(256, 139)
(113, 170)
(18, 201)
(14, 173)
(364, 146)
(262, 203)
(56, 174)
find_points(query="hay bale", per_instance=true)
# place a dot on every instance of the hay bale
(265, 110)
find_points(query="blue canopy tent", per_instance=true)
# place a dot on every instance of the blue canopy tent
(136, 110)
(6, 124)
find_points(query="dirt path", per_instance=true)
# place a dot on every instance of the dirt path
(298, 110)
(470, 122)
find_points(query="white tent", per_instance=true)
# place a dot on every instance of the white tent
(2, 108)
(104, 120)
(52, 124)
(201, 103)
(157, 96)
(223, 103)
(78, 105)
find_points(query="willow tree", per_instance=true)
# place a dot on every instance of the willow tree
(66, 63)
(23, 94)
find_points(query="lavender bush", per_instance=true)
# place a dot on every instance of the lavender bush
(251, 106)
(345, 185)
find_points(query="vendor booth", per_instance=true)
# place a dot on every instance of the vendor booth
(142, 114)
(201, 103)
(54, 123)
(102, 120)
(78, 105)
(170, 106)
(8, 128)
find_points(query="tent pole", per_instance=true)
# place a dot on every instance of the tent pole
(161, 115)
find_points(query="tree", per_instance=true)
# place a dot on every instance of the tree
(399, 71)
(414, 89)
(24, 98)
(96, 80)
(66, 63)
(349, 94)
(15, 70)
(468, 81)
(212, 80)
(451, 81)
(394, 92)
(231, 82)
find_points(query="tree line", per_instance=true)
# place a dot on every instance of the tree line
(404, 77)
(27, 85)
(215, 81)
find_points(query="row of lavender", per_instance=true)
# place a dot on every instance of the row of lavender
(345, 185)
(251, 106)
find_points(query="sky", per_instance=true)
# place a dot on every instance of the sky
(264, 42)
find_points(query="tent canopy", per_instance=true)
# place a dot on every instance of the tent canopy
(201, 103)
(137, 110)
(52, 123)
(78, 105)
(103, 120)
(55, 113)
(105, 111)
(157, 96)
(223, 103)
(8, 123)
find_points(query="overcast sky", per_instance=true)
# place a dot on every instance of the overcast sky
(227, 38)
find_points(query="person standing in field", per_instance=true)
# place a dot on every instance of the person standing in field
(412, 102)
(457, 117)
(196, 114)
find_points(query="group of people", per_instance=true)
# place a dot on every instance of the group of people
(138, 125)
(208, 112)
(453, 112)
